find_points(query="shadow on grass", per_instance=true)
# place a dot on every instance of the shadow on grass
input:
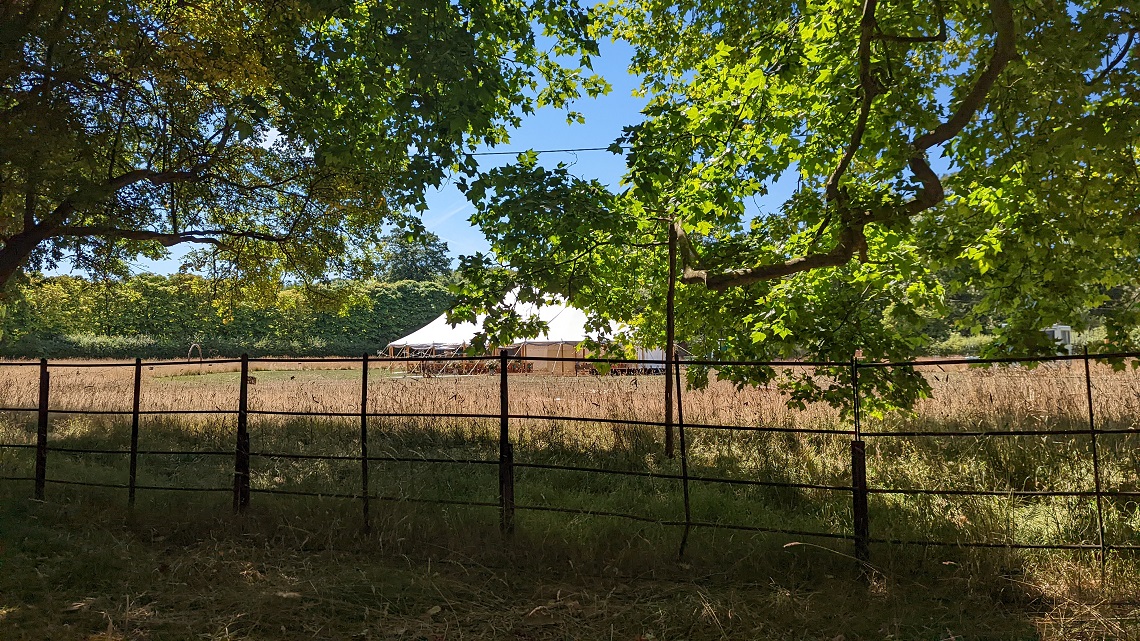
(190, 568)
(292, 569)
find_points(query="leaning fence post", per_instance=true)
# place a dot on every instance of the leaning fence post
(861, 517)
(135, 433)
(1096, 467)
(241, 454)
(364, 441)
(506, 454)
(42, 432)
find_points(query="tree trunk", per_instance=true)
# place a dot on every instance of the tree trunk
(16, 251)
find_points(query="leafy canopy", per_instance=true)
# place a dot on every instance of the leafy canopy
(413, 257)
(280, 136)
(938, 148)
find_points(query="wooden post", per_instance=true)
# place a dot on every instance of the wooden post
(241, 454)
(670, 335)
(506, 454)
(364, 441)
(135, 433)
(42, 432)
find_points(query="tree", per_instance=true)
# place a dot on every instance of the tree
(412, 257)
(995, 139)
(280, 136)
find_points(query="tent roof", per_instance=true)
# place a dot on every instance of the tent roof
(565, 325)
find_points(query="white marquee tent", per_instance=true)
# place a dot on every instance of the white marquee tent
(566, 329)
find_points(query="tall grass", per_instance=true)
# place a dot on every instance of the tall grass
(1046, 398)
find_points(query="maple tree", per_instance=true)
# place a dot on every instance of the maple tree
(280, 136)
(937, 147)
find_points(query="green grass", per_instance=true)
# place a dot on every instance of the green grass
(70, 573)
(181, 566)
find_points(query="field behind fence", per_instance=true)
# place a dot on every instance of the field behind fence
(1000, 456)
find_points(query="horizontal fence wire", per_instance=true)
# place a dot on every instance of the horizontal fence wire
(384, 359)
(89, 412)
(375, 414)
(987, 544)
(703, 426)
(374, 497)
(1005, 493)
(678, 477)
(1003, 360)
(373, 458)
(381, 361)
(673, 523)
(983, 433)
(376, 360)
(79, 450)
(124, 486)
(186, 452)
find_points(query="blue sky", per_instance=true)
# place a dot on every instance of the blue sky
(448, 209)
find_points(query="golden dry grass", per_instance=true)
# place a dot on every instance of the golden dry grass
(1057, 595)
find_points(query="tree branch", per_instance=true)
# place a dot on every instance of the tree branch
(938, 37)
(870, 88)
(851, 239)
(1005, 51)
(204, 236)
(1116, 60)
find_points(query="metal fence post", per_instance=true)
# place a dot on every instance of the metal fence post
(135, 433)
(241, 454)
(684, 459)
(861, 516)
(1096, 466)
(42, 432)
(506, 454)
(364, 441)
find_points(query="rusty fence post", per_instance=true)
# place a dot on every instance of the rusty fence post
(135, 434)
(241, 453)
(861, 516)
(364, 442)
(42, 432)
(506, 454)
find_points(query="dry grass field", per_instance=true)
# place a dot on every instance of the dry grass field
(84, 566)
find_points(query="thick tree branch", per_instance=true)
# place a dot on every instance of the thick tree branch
(1005, 51)
(870, 88)
(851, 239)
(65, 209)
(204, 236)
(165, 239)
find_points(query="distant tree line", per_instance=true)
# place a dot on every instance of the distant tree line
(160, 316)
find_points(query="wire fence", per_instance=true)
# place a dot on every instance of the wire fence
(861, 534)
